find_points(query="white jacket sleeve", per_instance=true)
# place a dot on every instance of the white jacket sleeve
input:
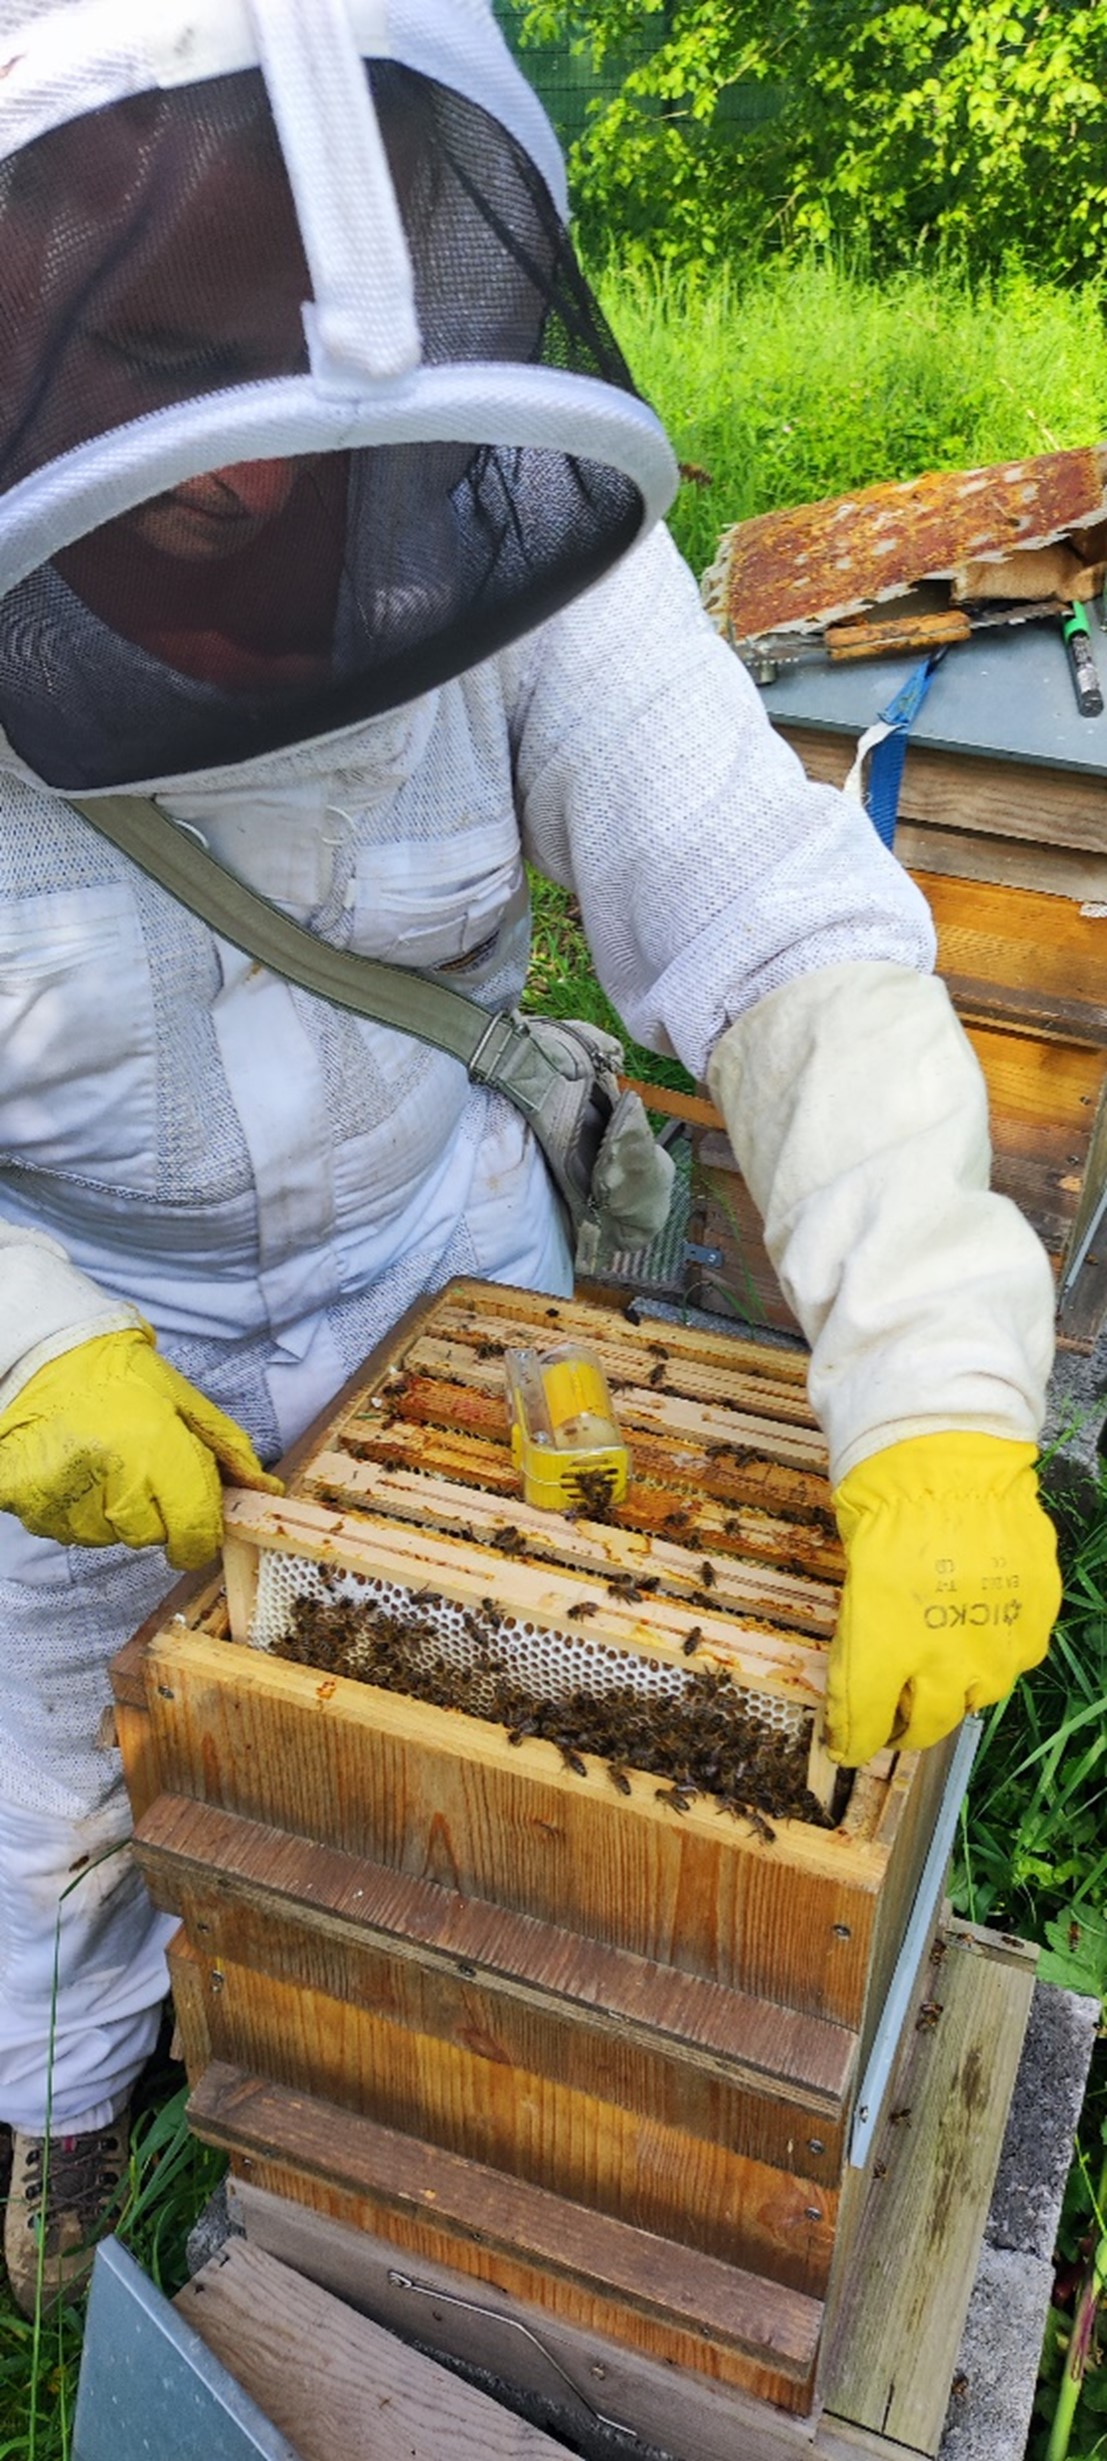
(46, 1306)
(858, 1115)
(709, 869)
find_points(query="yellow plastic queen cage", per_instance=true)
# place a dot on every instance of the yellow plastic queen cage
(565, 1439)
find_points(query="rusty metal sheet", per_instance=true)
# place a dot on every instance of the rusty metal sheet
(813, 564)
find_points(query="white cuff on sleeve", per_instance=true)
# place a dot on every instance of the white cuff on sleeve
(46, 1306)
(858, 1115)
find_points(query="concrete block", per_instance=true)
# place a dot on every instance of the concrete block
(997, 2363)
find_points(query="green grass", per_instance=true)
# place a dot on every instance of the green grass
(169, 2180)
(561, 982)
(1034, 1849)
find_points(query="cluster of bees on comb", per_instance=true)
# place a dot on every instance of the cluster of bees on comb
(702, 1741)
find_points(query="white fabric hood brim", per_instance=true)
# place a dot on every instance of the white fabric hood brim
(94, 52)
(79, 58)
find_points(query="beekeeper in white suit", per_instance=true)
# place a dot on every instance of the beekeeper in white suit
(329, 519)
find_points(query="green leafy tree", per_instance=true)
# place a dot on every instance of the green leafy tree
(975, 126)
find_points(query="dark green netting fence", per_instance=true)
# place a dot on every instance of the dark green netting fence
(569, 85)
(566, 82)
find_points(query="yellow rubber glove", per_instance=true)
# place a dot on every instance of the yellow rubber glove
(108, 1444)
(952, 1589)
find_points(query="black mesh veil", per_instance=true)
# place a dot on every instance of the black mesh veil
(150, 256)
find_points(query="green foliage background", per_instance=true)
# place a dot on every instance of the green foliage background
(721, 128)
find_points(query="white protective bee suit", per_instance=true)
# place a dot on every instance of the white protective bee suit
(483, 651)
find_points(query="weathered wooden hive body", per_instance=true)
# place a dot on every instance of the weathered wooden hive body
(551, 2018)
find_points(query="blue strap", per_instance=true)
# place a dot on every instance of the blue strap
(888, 756)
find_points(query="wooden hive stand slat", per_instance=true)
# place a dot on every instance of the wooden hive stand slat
(808, 2063)
(535, 2101)
(896, 2334)
(667, 2050)
(668, 2284)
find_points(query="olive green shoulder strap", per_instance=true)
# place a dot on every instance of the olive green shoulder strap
(493, 1046)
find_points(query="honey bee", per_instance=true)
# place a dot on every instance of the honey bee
(656, 1375)
(490, 1350)
(698, 1743)
(928, 2016)
(679, 1798)
(509, 1540)
(707, 1574)
(900, 2118)
(583, 1607)
(592, 1491)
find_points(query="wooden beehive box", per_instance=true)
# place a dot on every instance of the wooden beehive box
(557, 2025)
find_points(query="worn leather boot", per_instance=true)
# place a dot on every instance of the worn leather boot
(59, 2194)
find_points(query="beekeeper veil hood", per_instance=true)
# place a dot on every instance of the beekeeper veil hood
(305, 404)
